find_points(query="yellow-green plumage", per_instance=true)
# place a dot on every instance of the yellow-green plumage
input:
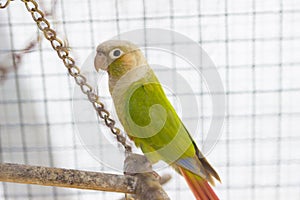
(148, 117)
(144, 94)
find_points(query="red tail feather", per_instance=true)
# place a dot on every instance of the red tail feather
(199, 186)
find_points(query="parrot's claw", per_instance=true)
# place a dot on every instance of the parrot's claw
(156, 175)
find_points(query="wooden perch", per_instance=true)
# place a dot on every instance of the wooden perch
(67, 178)
(143, 185)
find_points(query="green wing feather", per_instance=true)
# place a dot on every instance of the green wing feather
(153, 124)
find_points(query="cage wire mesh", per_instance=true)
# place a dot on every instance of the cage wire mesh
(254, 44)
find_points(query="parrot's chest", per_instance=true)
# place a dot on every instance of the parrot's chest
(121, 101)
(124, 88)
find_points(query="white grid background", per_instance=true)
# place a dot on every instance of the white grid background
(254, 44)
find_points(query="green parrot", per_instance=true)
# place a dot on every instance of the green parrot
(148, 117)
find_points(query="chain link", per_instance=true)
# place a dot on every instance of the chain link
(6, 4)
(63, 53)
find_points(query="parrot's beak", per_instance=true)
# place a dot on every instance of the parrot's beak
(100, 61)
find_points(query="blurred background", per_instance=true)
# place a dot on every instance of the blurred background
(254, 44)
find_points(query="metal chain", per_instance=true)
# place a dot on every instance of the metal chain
(6, 4)
(63, 53)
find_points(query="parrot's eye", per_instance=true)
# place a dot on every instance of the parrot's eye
(115, 53)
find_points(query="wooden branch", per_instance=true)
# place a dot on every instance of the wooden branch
(143, 185)
(67, 178)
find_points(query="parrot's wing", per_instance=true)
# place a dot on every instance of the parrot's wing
(153, 123)
(155, 127)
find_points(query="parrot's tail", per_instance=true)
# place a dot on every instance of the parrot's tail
(199, 186)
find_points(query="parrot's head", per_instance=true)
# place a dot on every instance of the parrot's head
(118, 57)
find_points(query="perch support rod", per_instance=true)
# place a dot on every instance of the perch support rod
(140, 185)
